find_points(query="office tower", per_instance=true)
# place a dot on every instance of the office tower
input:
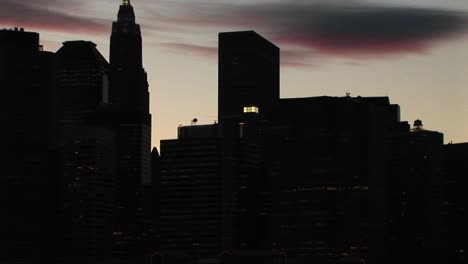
(86, 180)
(456, 165)
(26, 137)
(190, 193)
(203, 213)
(417, 210)
(248, 72)
(327, 171)
(82, 78)
(129, 97)
(248, 88)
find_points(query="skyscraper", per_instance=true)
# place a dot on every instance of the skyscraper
(86, 178)
(248, 72)
(129, 97)
(248, 89)
(417, 209)
(27, 132)
(327, 171)
(204, 212)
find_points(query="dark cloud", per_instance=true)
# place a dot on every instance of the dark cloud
(291, 58)
(37, 15)
(369, 30)
(334, 28)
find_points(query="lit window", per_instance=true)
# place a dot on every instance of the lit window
(251, 109)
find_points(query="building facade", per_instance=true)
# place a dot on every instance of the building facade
(86, 159)
(455, 163)
(203, 212)
(27, 133)
(129, 98)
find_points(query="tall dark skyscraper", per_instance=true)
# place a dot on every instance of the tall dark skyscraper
(86, 179)
(129, 97)
(248, 89)
(129, 79)
(248, 75)
(26, 194)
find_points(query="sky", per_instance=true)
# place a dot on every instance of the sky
(414, 51)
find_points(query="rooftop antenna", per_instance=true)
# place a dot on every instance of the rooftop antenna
(418, 125)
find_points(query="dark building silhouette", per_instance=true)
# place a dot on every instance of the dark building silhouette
(190, 194)
(26, 191)
(86, 165)
(248, 88)
(82, 77)
(202, 212)
(456, 157)
(417, 210)
(248, 75)
(334, 167)
(327, 175)
(129, 97)
(319, 179)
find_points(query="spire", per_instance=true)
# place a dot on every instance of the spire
(126, 13)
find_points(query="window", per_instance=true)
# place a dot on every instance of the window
(251, 109)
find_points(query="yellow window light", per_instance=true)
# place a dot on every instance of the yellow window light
(251, 109)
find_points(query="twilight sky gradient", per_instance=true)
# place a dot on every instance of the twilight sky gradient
(414, 51)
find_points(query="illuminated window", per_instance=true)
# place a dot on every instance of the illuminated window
(251, 109)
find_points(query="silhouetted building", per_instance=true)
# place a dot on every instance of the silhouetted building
(417, 210)
(456, 165)
(82, 78)
(248, 75)
(202, 212)
(327, 174)
(26, 182)
(248, 88)
(190, 193)
(86, 180)
(129, 97)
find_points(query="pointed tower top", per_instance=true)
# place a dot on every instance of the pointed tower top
(126, 2)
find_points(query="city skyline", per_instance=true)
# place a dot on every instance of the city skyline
(327, 178)
(419, 65)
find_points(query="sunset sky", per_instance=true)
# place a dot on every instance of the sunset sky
(414, 51)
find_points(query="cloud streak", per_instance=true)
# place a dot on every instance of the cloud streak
(190, 49)
(30, 15)
(332, 28)
(305, 30)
